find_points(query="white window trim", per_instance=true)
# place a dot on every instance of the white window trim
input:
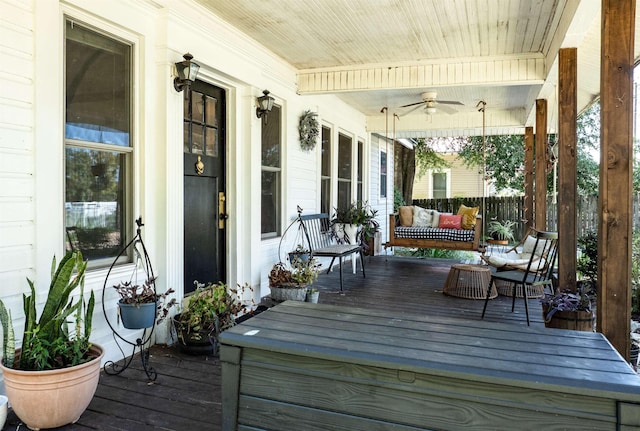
(110, 30)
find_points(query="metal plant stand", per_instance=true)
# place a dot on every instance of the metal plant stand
(142, 262)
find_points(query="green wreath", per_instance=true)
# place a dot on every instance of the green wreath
(308, 130)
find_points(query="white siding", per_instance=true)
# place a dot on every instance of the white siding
(17, 211)
(32, 152)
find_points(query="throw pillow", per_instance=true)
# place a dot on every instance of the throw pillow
(406, 215)
(469, 215)
(450, 221)
(435, 218)
(530, 243)
(421, 217)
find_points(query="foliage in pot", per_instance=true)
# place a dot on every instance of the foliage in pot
(52, 378)
(48, 342)
(361, 214)
(300, 252)
(211, 309)
(145, 293)
(574, 307)
(501, 230)
(292, 283)
(312, 295)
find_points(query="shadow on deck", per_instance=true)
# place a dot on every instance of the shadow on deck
(186, 394)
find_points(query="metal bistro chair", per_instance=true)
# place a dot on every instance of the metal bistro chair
(538, 272)
(321, 244)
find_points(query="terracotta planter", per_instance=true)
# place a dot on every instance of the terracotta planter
(575, 320)
(53, 398)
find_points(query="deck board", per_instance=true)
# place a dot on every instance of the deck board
(187, 392)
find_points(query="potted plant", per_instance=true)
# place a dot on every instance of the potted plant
(51, 379)
(370, 234)
(349, 221)
(312, 295)
(211, 309)
(301, 252)
(292, 283)
(140, 304)
(501, 232)
(568, 310)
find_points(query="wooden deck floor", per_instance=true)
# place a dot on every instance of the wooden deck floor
(186, 394)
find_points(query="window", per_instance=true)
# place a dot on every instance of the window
(345, 166)
(98, 149)
(325, 172)
(359, 186)
(439, 185)
(383, 174)
(271, 174)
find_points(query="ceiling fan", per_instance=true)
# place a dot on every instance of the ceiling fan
(430, 102)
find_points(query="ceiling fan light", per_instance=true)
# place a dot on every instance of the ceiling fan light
(430, 110)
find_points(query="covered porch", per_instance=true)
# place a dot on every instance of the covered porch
(187, 392)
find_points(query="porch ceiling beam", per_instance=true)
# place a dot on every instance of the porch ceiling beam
(524, 70)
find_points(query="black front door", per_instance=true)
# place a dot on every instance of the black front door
(204, 185)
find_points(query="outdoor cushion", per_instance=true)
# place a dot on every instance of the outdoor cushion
(421, 217)
(450, 221)
(435, 219)
(469, 215)
(432, 233)
(530, 243)
(510, 260)
(406, 215)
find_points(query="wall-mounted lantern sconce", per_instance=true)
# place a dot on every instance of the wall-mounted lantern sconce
(265, 103)
(187, 71)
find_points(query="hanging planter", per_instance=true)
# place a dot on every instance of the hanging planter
(137, 316)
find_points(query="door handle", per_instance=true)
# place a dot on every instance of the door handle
(222, 214)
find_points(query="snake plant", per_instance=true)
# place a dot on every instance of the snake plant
(48, 342)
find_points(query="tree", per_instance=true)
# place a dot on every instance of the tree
(588, 145)
(504, 159)
(423, 158)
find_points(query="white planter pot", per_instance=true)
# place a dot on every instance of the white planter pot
(347, 233)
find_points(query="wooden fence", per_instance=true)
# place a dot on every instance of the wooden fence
(512, 208)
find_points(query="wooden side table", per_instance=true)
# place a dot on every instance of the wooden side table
(469, 281)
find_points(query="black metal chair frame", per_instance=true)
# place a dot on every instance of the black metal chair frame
(539, 270)
(317, 231)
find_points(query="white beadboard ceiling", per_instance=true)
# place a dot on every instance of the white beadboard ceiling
(386, 53)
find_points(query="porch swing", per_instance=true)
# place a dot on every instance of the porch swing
(433, 233)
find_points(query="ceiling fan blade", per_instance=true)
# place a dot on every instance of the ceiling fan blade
(409, 111)
(447, 109)
(413, 104)
(449, 102)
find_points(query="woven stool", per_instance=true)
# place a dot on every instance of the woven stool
(504, 288)
(469, 281)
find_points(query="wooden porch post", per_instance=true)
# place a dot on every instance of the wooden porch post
(540, 221)
(528, 177)
(567, 167)
(616, 154)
